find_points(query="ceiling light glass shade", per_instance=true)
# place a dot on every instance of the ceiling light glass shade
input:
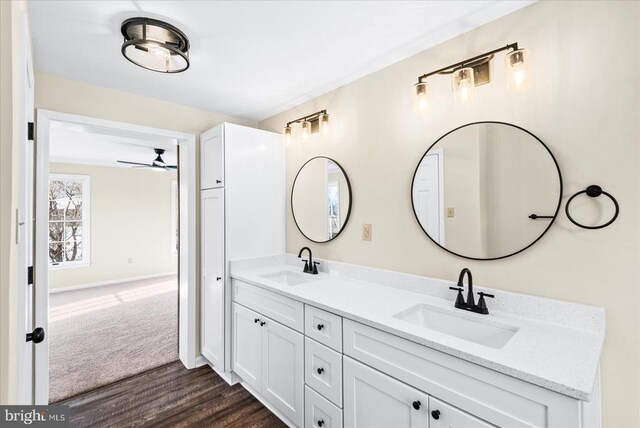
(286, 133)
(518, 64)
(463, 85)
(324, 124)
(306, 130)
(155, 45)
(422, 96)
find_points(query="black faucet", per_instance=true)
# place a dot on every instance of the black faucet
(470, 304)
(309, 265)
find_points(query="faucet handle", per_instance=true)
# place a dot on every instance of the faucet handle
(460, 303)
(306, 266)
(456, 288)
(482, 305)
(481, 294)
(315, 268)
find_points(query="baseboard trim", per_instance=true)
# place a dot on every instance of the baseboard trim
(110, 282)
(230, 377)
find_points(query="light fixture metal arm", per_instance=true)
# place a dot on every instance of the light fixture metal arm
(307, 117)
(511, 46)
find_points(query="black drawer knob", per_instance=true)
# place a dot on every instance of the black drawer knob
(321, 422)
(262, 323)
(37, 336)
(256, 321)
(218, 181)
(320, 370)
(435, 414)
(320, 326)
(416, 405)
(218, 278)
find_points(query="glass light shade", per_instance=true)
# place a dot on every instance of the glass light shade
(324, 124)
(463, 85)
(306, 130)
(518, 71)
(422, 96)
(287, 135)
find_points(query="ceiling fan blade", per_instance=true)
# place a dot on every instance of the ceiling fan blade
(134, 163)
(171, 166)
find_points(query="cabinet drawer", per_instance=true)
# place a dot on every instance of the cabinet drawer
(494, 397)
(323, 370)
(324, 327)
(319, 412)
(279, 308)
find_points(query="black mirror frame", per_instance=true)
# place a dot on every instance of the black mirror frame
(553, 219)
(346, 219)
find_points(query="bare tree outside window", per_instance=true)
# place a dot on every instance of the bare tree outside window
(67, 218)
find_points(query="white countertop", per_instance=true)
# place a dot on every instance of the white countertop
(557, 345)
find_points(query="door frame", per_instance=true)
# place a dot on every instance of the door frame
(187, 277)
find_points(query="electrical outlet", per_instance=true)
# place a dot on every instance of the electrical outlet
(451, 212)
(366, 232)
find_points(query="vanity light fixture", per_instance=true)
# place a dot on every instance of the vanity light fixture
(472, 72)
(310, 124)
(155, 45)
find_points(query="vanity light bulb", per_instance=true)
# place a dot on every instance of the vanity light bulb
(324, 124)
(287, 135)
(518, 71)
(422, 101)
(306, 130)
(463, 85)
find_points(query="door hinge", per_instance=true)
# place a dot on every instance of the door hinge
(30, 131)
(30, 275)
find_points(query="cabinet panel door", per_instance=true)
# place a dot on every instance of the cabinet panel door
(213, 276)
(452, 417)
(247, 345)
(373, 399)
(282, 370)
(212, 158)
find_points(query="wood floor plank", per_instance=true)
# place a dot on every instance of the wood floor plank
(170, 396)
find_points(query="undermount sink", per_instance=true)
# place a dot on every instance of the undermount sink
(493, 334)
(288, 277)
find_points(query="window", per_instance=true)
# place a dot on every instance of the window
(68, 220)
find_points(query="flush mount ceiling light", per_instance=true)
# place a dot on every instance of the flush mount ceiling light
(310, 124)
(472, 72)
(155, 45)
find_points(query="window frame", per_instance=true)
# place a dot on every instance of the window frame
(86, 220)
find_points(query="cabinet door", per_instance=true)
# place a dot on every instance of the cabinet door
(373, 399)
(446, 416)
(247, 345)
(282, 370)
(212, 158)
(213, 276)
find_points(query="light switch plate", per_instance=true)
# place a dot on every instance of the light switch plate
(366, 232)
(451, 212)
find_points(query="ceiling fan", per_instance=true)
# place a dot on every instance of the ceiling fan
(157, 162)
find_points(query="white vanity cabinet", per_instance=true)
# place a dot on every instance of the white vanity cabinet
(242, 182)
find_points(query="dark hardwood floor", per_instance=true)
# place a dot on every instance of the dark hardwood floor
(170, 396)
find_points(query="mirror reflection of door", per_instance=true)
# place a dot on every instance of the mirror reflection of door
(428, 193)
(333, 208)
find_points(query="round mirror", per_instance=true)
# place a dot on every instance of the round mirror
(486, 190)
(321, 199)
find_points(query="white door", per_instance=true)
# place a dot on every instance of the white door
(373, 399)
(428, 195)
(247, 345)
(212, 158)
(24, 224)
(282, 369)
(213, 276)
(446, 416)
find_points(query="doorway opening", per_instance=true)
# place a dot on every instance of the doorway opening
(115, 252)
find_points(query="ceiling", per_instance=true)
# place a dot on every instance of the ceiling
(92, 145)
(250, 59)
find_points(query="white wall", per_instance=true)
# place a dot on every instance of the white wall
(130, 225)
(583, 104)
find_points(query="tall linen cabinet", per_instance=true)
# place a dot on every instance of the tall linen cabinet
(242, 182)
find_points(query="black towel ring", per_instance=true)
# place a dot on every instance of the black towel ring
(593, 191)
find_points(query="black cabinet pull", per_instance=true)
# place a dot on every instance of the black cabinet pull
(320, 370)
(37, 336)
(417, 404)
(321, 422)
(218, 278)
(435, 414)
(320, 326)
(262, 323)
(256, 320)
(218, 181)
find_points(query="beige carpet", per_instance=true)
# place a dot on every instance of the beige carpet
(103, 334)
